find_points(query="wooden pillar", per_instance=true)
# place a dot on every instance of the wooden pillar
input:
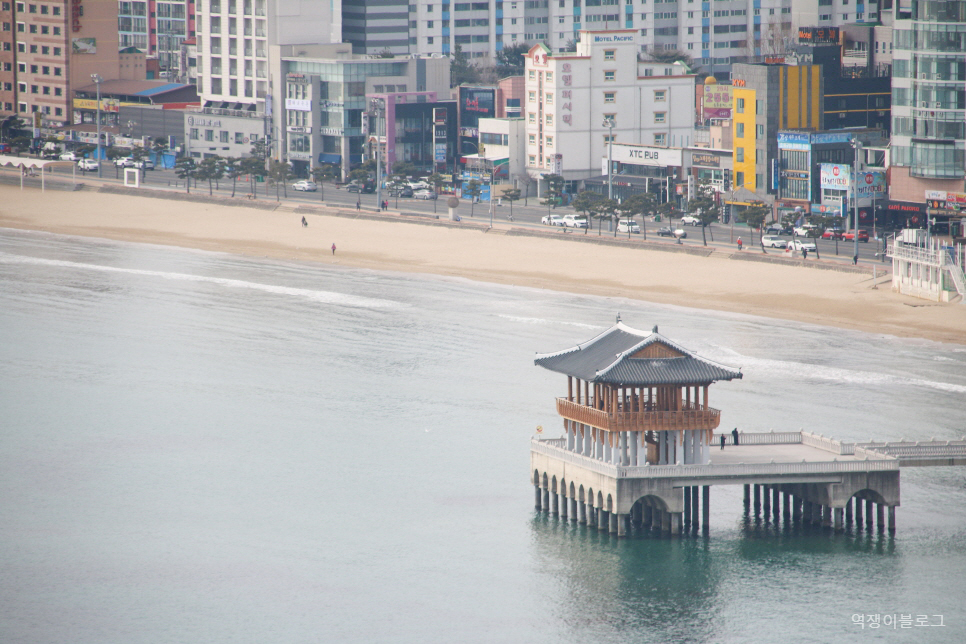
(706, 508)
(706, 397)
(570, 388)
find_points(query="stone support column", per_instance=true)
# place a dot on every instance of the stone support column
(582, 513)
(694, 507)
(757, 492)
(648, 518)
(635, 446)
(786, 506)
(706, 508)
(603, 520)
(536, 499)
(615, 521)
(573, 509)
(892, 519)
(687, 505)
(880, 517)
(677, 519)
(868, 514)
(796, 509)
(747, 496)
(839, 512)
(546, 500)
(827, 516)
(848, 513)
(775, 500)
(564, 505)
(858, 513)
(665, 522)
(554, 507)
(766, 509)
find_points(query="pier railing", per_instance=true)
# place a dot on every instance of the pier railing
(760, 438)
(690, 417)
(880, 464)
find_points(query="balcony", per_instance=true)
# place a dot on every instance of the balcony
(691, 416)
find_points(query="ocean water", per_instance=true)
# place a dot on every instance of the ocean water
(199, 447)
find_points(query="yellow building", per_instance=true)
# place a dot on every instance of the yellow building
(768, 98)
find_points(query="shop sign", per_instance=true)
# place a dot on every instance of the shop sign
(298, 104)
(649, 156)
(836, 176)
(793, 141)
(706, 160)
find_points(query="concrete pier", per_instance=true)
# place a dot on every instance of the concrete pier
(706, 508)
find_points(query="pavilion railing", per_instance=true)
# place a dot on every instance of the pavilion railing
(691, 416)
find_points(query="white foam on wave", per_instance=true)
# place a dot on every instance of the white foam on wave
(324, 297)
(763, 367)
(516, 318)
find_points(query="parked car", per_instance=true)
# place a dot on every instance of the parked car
(690, 220)
(144, 164)
(552, 220)
(575, 221)
(832, 233)
(124, 162)
(88, 165)
(425, 194)
(798, 245)
(803, 231)
(778, 229)
(863, 235)
(628, 225)
(68, 156)
(773, 241)
(305, 186)
(667, 232)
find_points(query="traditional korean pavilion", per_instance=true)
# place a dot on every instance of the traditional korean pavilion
(636, 398)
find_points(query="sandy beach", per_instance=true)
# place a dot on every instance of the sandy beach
(839, 299)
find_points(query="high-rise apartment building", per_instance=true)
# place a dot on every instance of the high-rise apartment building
(928, 99)
(156, 27)
(8, 60)
(715, 34)
(233, 41)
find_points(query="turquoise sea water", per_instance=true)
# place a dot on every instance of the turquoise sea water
(198, 447)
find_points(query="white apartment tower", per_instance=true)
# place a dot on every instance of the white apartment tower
(234, 39)
(569, 96)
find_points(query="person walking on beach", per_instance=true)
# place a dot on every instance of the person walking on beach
(739, 243)
(333, 252)
(304, 223)
(734, 435)
(722, 441)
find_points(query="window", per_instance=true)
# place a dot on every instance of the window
(548, 98)
(223, 136)
(758, 155)
(660, 139)
(531, 160)
(759, 132)
(610, 138)
(610, 75)
(660, 117)
(740, 155)
(429, 40)
(549, 119)
(532, 97)
(209, 135)
(194, 133)
(740, 105)
(57, 92)
(57, 71)
(533, 139)
(533, 117)
(609, 54)
(739, 130)
(760, 179)
(549, 141)
(660, 95)
(610, 97)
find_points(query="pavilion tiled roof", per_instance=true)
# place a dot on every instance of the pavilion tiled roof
(621, 356)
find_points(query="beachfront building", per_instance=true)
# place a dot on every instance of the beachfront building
(928, 153)
(577, 103)
(633, 399)
(319, 108)
(57, 48)
(157, 28)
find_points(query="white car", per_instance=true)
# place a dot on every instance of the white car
(144, 164)
(424, 194)
(124, 162)
(419, 185)
(802, 231)
(690, 221)
(575, 221)
(552, 220)
(799, 245)
(88, 165)
(628, 225)
(304, 186)
(68, 156)
(773, 241)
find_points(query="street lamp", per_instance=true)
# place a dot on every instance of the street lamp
(377, 105)
(857, 146)
(609, 123)
(97, 81)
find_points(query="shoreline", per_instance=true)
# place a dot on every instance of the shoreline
(768, 289)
